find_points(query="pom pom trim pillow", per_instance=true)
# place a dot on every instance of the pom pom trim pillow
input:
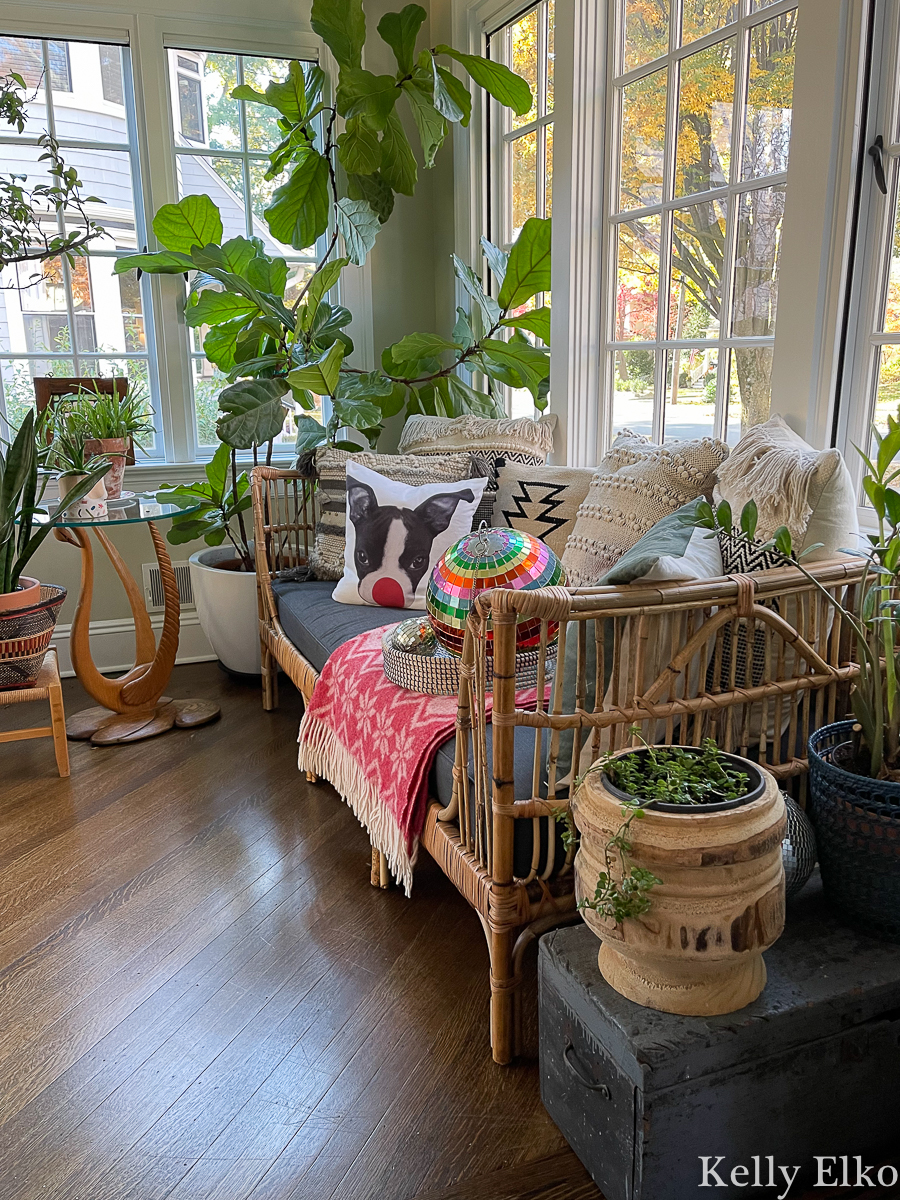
(395, 535)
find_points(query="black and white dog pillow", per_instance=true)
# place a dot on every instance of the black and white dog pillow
(396, 534)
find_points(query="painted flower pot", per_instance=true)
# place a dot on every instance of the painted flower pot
(228, 608)
(116, 450)
(719, 905)
(26, 630)
(91, 506)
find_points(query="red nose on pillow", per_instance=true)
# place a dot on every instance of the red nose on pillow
(388, 593)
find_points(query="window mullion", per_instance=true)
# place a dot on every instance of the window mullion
(666, 225)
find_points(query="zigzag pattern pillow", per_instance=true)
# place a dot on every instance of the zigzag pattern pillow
(539, 500)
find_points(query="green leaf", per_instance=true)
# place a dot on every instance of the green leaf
(361, 92)
(749, 519)
(166, 262)
(289, 97)
(431, 125)
(782, 540)
(214, 308)
(443, 98)
(298, 213)
(421, 345)
(341, 24)
(498, 260)
(462, 330)
(322, 376)
(400, 31)
(310, 433)
(458, 93)
(193, 221)
(536, 321)
(358, 148)
(888, 448)
(358, 225)
(398, 163)
(267, 274)
(322, 281)
(518, 364)
(217, 472)
(875, 492)
(220, 343)
(490, 309)
(467, 400)
(724, 516)
(375, 191)
(528, 268)
(251, 412)
(892, 506)
(507, 88)
(356, 412)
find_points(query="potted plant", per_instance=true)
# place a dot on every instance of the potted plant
(28, 609)
(854, 765)
(343, 163)
(113, 425)
(69, 456)
(679, 872)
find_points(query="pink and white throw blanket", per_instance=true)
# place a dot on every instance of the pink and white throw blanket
(375, 743)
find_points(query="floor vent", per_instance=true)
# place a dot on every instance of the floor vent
(153, 586)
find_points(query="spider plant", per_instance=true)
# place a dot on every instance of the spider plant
(104, 416)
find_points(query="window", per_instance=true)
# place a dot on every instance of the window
(231, 167)
(520, 176)
(77, 319)
(698, 144)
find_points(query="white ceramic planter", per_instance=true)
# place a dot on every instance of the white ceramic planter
(227, 608)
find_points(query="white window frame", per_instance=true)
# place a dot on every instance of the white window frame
(216, 27)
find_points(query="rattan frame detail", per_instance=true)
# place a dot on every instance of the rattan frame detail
(668, 642)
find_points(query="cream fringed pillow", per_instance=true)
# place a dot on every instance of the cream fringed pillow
(636, 485)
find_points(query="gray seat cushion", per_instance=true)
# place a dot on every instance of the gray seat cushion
(317, 625)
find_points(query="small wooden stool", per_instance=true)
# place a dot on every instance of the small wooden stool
(47, 687)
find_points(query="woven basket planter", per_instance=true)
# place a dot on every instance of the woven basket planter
(25, 634)
(857, 823)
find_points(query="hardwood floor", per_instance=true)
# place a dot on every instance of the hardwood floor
(202, 996)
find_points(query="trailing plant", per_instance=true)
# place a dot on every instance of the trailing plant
(20, 532)
(103, 415)
(623, 889)
(874, 612)
(676, 775)
(345, 160)
(25, 235)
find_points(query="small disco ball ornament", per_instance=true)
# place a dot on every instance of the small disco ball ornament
(489, 558)
(798, 848)
(414, 636)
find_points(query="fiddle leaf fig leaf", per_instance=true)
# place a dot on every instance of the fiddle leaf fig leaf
(444, 100)
(215, 308)
(320, 377)
(518, 364)
(251, 412)
(193, 221)
(290, 98)
(462, 330)
(421, 345)
(220, 344)
(375, 191)
(358, 225)
(528, 267)
(400, 31)
(373, 96)
(467, 400)
(536, 321)
(298, 213)
(310, 433)
(341, 24)
(431, 125)
(398, 163)
(358, 148)
(166, 262)
(490, 309)
(498, 259)
(457, 91)
(506, 87)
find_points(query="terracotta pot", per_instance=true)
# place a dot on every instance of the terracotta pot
(26, 631)
(27, 593)
(116, 450)
(698, 950)
(90, 506)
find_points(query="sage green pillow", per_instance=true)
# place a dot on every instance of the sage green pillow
(671, 550)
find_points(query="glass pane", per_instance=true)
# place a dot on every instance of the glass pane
(705, 99)
(706, 16)
(750, 395)
(18, 389)
(261, 190)
(767, 129)
(59, 55)
(23, 55)
(643, 141)
(551, 52)
(632, 406)
(208, 382)
(637, 283)
(887, 398)
(523, 152)
(262, 122)
(548, 172)
(106, 174)
(111, 76)
(298, 276)
(891, 320)
(757, 4)
(86, 112)
(222, 114)
(757, 257)
(221, 180)
(646, 31)
(733, 418)
(690, 407)
(523, 45)
(698, 252)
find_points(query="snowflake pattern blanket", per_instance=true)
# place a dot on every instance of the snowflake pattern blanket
(375, 743)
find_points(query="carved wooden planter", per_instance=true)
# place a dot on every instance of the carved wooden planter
(698, 951)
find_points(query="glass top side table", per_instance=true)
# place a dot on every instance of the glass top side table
(132, 707)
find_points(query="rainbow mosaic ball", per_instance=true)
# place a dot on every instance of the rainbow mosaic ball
(489, 558)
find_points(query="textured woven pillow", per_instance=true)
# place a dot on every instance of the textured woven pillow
(636, 485)
(808, 490)
(509, 440)
(330, 468)
(541, 500)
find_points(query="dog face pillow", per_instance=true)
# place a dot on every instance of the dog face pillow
(397, 533)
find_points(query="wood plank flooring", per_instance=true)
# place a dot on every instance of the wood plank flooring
(202, 996)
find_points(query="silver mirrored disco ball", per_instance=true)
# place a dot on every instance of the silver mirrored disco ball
(798, 848)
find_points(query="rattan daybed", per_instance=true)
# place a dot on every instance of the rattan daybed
(660, 660)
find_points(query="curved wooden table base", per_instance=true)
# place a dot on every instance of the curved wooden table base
(133, 707)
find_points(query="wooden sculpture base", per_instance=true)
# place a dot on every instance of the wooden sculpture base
(105, 728)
